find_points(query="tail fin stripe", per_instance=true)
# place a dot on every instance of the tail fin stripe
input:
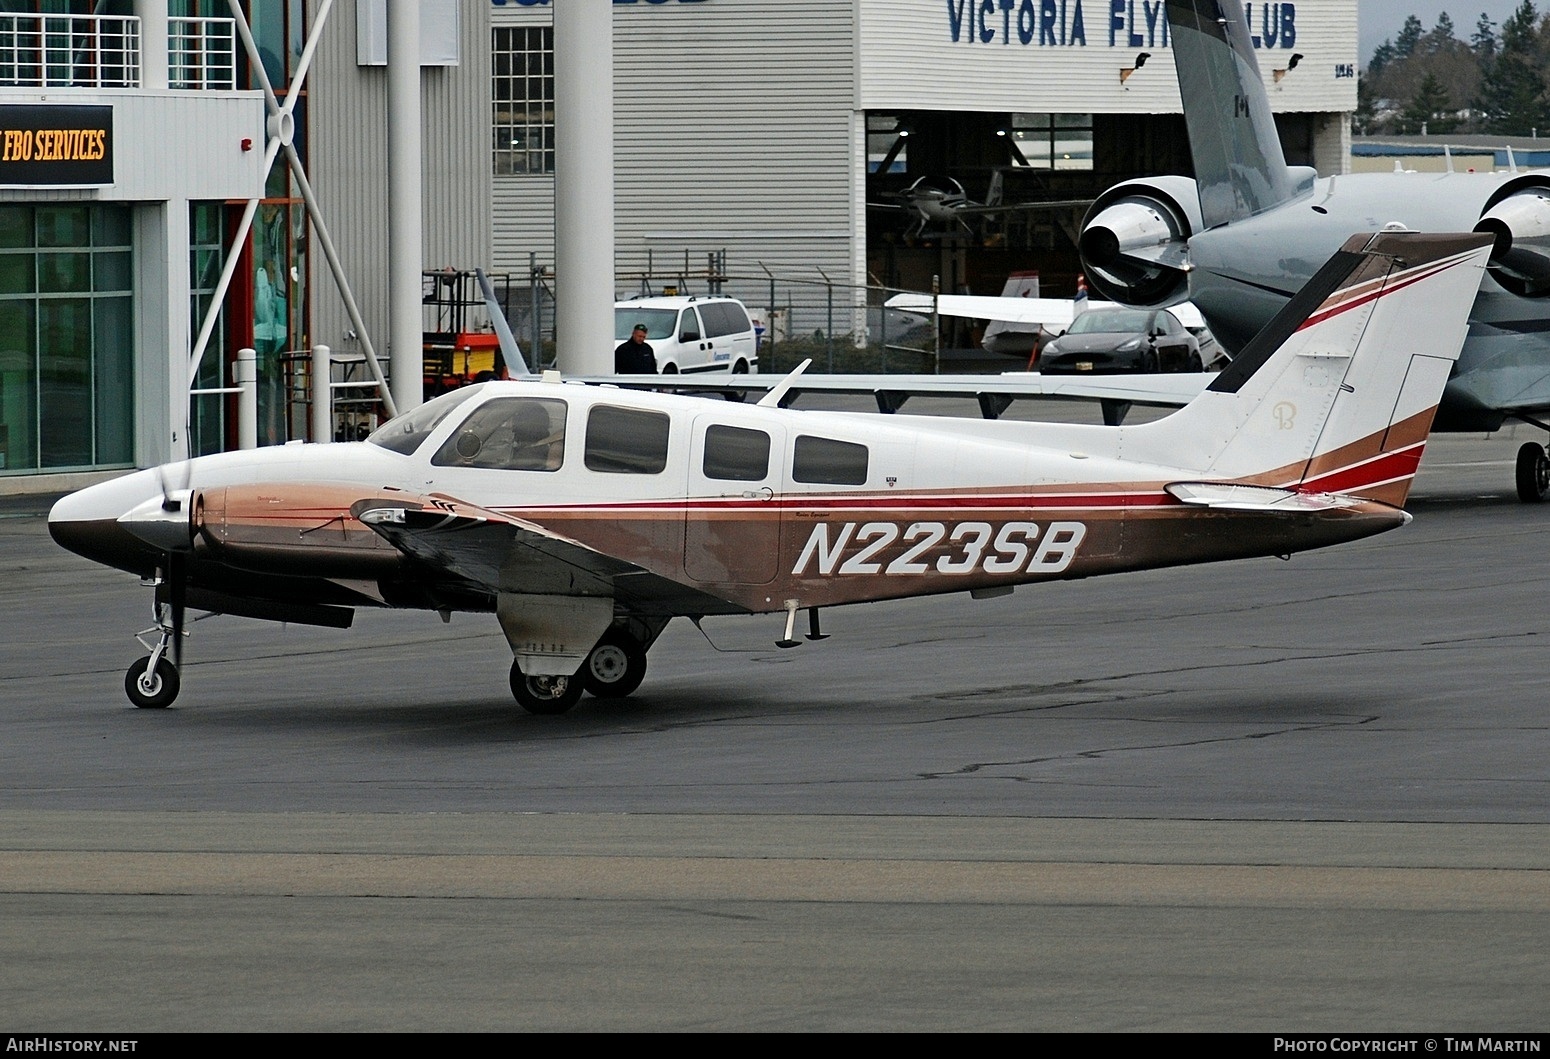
(1380, 289)
(1387, 467)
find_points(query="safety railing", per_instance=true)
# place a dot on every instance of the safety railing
(103, 51)
(202, 53)
(70, 51)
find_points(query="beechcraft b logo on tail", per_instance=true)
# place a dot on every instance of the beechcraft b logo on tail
(1286, 415)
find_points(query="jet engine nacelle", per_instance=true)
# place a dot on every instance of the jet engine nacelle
(1135, 240)
(1518, 216)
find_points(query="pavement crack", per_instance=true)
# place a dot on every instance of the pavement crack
(1102, 752)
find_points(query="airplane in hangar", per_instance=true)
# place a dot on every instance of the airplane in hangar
(1241, 237)
(587, 517)
(941, 205)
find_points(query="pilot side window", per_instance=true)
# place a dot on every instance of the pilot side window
(509, 434)
(733, 454)
(626, 440)
(824, 461)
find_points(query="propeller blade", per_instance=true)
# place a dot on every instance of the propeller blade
(177, 600)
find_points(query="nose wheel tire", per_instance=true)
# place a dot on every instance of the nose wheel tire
(1533, 473)
(151, 689)
(615, 667)
(544, 695)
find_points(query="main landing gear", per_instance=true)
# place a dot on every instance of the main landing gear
(613, 669)
(1533, 473)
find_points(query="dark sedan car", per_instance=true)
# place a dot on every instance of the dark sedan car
(1114, 340)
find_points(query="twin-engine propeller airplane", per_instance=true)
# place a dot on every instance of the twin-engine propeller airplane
(586, 517)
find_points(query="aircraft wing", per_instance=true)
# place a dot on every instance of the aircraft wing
(499, 552)
(1053, 314)
(994, 392)
(1023, 207)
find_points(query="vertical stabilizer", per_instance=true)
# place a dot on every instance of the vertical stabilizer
(1240, 169)
(1336, 394)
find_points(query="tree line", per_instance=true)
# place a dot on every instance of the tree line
(1498, 81)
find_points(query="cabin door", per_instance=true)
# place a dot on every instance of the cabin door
(733, 513)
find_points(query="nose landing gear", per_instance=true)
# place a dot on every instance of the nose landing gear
(152, 682)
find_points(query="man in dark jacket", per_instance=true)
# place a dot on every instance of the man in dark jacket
(635, 357)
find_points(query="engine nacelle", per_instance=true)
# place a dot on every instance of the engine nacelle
(1518, 218)
(1135, 240)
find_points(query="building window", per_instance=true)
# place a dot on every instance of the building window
(1054, 141)
(887, 141)
(522, 88)
(66, 338)
(206, 256)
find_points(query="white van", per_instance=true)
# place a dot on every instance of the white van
(692, 333)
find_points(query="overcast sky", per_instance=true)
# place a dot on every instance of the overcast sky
(1379, 20)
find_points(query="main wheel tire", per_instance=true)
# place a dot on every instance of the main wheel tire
(544, 695)
(1194, 363)
(615, 667)
(1533, 473)
(151, 691)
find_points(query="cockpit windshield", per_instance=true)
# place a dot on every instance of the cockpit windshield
(404, 433)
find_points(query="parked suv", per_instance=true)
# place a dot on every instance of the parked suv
(692, 333)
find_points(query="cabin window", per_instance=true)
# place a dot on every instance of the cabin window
(509, 434)
(824, 461)
(626, 440)
(734, 454)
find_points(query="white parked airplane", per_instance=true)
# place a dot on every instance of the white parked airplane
(586, 517)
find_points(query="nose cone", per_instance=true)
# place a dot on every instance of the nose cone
(87, 522)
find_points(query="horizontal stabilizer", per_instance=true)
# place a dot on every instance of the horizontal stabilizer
(1053, 314)
(1230, 497)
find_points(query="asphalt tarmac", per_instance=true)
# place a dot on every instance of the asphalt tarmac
(1269, 796)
